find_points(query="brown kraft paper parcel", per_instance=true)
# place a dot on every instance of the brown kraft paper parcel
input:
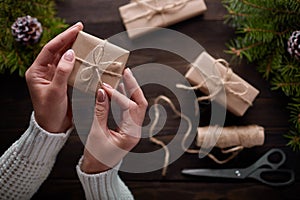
(97, 62)
(139, 15)
(239, 93)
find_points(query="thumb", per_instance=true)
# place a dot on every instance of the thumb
(64, 69)
(102, 108)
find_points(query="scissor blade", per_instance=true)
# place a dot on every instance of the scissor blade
(222, 173)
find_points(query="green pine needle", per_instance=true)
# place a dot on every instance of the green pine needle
(263, 29)
(294, 139)
(15, 57)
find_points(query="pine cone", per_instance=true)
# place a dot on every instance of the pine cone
(27, 30)
(294, 44)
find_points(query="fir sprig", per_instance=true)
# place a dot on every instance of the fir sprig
(263, 29)
(17, 57)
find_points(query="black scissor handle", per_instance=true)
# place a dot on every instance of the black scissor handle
(289, 174)
(265, 159)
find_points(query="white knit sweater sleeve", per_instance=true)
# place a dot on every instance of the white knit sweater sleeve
(104, 186)
(28, 162)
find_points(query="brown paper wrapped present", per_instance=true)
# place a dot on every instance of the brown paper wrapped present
(211, 76)
(141, 14)
(97, 61)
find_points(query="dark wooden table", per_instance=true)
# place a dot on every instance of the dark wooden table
(101, 18)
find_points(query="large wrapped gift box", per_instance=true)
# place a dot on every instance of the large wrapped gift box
(139, 15)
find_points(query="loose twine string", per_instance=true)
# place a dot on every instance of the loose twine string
(234, 150)
(225, 81)
(87, 74)
(155, 10)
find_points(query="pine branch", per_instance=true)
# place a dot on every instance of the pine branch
(294, 108)
(13, 56)
(249, 30)
(263, 29)
(261, 7)
(287, 78)
(241, 51)
(294, 139)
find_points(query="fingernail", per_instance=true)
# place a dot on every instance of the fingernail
(101, 95)
(75, 25)
(69, 55)
(129, 71)
(107, 85)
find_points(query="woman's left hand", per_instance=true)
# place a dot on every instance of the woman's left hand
(47, 80)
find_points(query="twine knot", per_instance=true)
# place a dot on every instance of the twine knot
(155, 10)
(220, 82)
(97, 66)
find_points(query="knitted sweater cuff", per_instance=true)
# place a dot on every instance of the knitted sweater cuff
(105, 185)
(40, 146)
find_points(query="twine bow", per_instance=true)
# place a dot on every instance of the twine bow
(87, 74)
(220, 82)
(155, 10)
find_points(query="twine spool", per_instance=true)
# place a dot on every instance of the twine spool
(233, 139)
(246, 136)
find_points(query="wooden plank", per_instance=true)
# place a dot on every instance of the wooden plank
(60, 189)
(102, 19)
(142, 190)
(68, 158)
(96, 11)
(212, 190)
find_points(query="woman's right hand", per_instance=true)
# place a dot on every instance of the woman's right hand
(105, 147)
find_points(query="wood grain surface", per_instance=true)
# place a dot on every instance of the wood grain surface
(101, 18)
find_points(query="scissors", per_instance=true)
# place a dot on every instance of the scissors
(255, 171)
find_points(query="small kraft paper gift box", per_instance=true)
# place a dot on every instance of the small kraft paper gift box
(139, 15)
(213, 75)
(97, 62)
